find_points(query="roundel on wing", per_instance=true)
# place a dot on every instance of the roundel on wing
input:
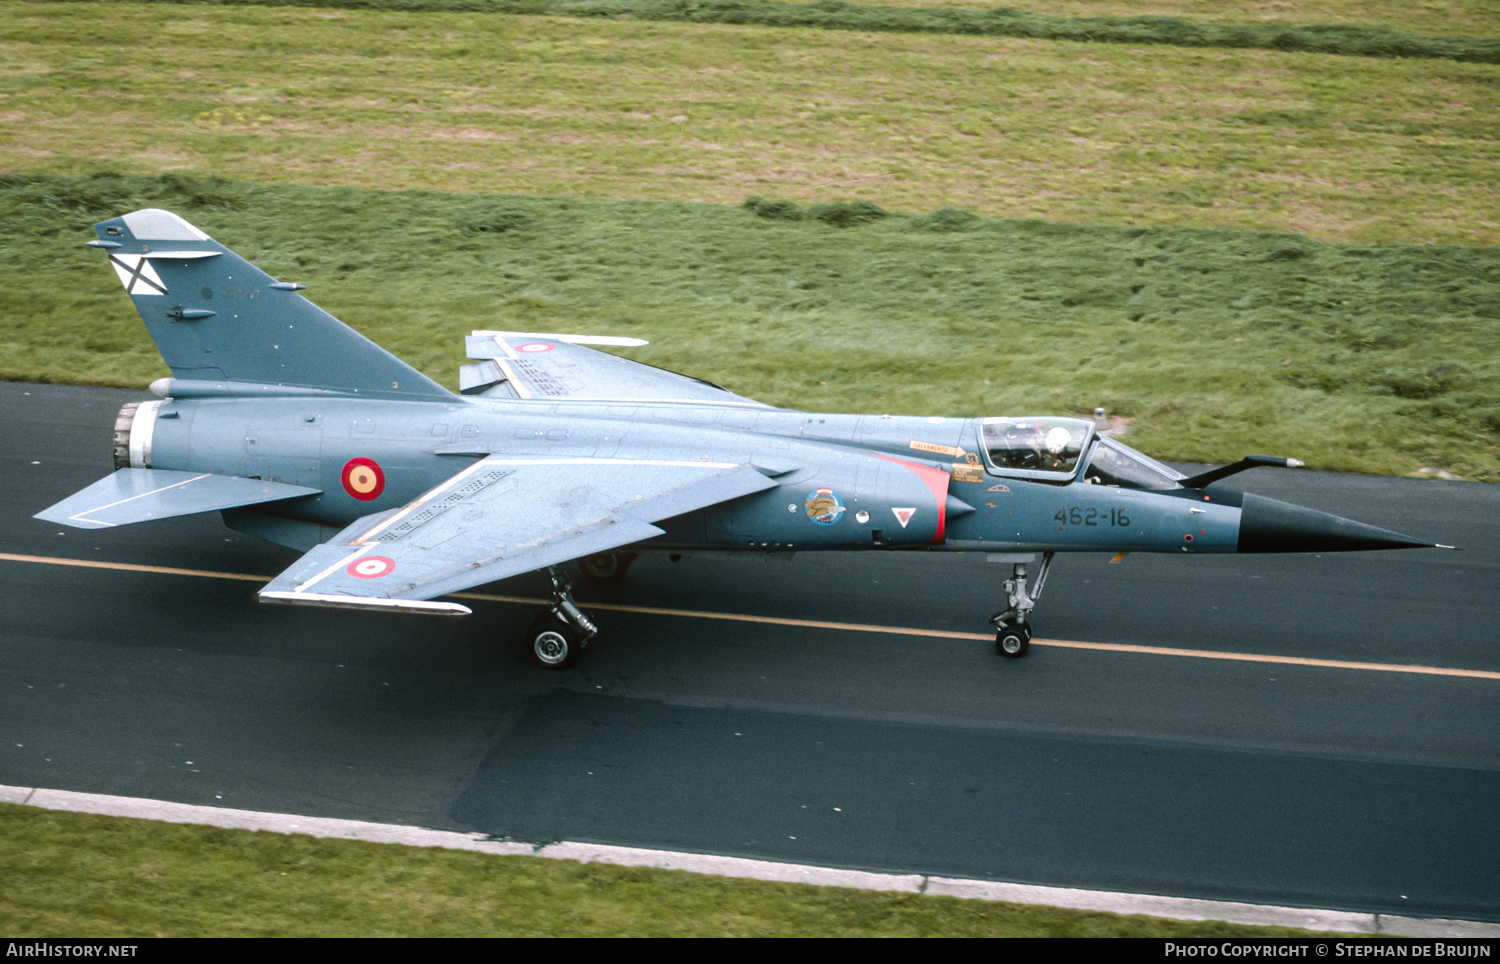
(363, 479)
(371, 567)
(532, 347)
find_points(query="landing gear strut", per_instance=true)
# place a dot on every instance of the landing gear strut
(558, 635)
(1012, 631)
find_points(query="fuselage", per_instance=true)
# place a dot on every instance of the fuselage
(843, 481)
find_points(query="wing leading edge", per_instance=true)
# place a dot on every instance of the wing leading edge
(500, 517)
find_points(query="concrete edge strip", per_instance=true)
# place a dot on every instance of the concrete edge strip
(1177, 908)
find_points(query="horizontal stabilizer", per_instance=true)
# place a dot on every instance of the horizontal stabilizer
(141, 495)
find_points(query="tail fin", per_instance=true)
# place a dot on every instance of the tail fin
(215, 317)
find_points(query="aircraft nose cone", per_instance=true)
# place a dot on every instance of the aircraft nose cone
(1267, 525)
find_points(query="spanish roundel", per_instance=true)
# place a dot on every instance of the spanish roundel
(371, 567)
(363, 479)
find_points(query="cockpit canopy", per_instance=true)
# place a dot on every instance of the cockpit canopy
(1043, 446)
(1114, 463)
(1049, 448)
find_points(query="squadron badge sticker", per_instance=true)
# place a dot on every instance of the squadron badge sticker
(825, 507)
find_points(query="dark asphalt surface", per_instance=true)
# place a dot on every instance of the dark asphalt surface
(1263, 782)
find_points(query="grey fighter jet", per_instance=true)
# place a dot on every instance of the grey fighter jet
(301, 431)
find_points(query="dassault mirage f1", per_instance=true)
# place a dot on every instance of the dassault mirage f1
(301, 431)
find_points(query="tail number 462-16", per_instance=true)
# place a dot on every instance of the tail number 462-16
(1081, 516)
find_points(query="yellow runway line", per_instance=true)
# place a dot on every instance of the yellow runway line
(986, 637)
(129, 567)
(838, 627)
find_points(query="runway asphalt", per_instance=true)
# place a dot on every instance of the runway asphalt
(1264, 781)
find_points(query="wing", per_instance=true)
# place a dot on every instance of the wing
(519, 365)
(140, 495)
(501, 517)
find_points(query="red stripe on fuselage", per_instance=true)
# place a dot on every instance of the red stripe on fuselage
(937, 481)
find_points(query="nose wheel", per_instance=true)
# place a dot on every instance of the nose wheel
(1012, 631)
(1013, 641)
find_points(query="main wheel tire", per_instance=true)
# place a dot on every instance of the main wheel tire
(1013, 641)
(552, 643)
(605, 568)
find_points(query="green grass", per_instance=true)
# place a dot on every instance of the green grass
(1438, 18)
(1352, 149)
(1376, 358)
(79, 875)
(1344, 39)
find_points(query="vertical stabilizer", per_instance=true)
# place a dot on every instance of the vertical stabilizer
(216, 317)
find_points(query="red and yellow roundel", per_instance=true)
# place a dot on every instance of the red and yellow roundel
(371, 567)
(363, 479)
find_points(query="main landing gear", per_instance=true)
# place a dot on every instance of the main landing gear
(1012, 631)
(559, 634)
(557, 637)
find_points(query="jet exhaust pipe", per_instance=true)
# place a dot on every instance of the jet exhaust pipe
(1267, 525)
(133, 430)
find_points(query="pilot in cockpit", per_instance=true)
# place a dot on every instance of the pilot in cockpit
(1035, 445)
(1053, 453)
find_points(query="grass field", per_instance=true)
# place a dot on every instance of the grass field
(79, 875)
(1340, 39)
(1438, 18)
(1337, 148)
(1424, 18)
(1430, 18)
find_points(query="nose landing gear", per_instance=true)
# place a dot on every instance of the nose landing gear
(1012, 631)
